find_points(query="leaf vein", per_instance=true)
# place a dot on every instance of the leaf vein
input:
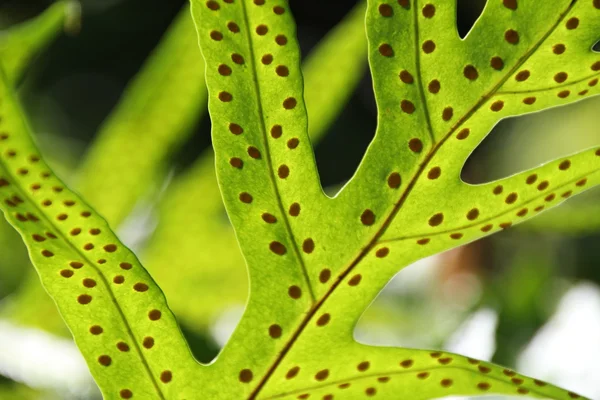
(263, 129)
(397, 206)
(405, 372)
(498, 215)
(419, 72)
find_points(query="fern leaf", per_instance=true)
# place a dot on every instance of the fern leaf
(217, 263)
(390, 373)
(316, 263)
(118, 316)
(19, 44)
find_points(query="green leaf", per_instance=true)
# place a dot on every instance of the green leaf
(356, 371)
(155, 116)
(191, 292)
(316, 263)
(118, 316)
(19, 44)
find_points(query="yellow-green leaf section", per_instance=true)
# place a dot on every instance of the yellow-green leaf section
(200, 270)
(316, 263)
(118, 316)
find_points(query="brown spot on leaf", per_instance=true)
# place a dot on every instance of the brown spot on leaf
(382, 252)
(275, 331)
(322, 375)
(386, 50)
(394, 180)
(511, 36)
(355, 280)
(407, 106)
(294, 292)
(434, 173)
(497, 63)
(428, 46)
(434, 86)
(245, 376)
(415, 145)
(470, 72)
(386, 10)
(294, 210)
(323, 319)
(245, 197)
(324, 275)
(308, 246)
(277, 248)
(105, 360)
(367, 217)
(572, 23)
(406, 77)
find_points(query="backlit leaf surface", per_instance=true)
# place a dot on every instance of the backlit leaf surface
(316, 263)
(192, 291)
(118, 316)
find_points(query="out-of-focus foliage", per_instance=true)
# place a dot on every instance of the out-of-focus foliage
(20, 44)
(154, 118)
(18, 392)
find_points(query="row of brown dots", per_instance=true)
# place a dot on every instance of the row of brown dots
(323, 375)
(473, 214)
(96, 330)
(289, 103)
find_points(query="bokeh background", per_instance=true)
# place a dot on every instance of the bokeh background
(528, 298)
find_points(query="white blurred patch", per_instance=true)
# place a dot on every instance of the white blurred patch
(416, 277)
(224, 326)
(138, 226)
(476, 337)
(566, 350)
(44, 361)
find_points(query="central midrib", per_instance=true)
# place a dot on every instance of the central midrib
(271, 174)
(311, 313)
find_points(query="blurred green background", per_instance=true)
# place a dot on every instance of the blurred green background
(528, 298)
